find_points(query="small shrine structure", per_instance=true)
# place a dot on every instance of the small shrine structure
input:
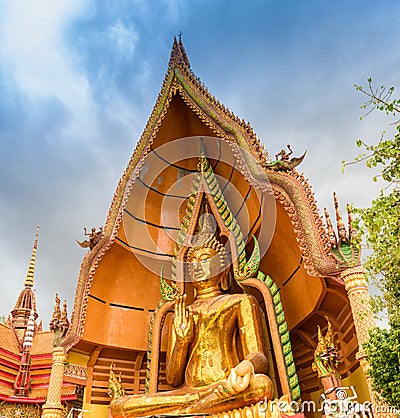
(26, 357)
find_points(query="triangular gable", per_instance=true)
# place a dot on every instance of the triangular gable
(290, 189)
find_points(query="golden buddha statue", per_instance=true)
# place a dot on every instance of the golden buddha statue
(216, 356)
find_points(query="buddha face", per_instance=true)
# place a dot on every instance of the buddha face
(204, 263)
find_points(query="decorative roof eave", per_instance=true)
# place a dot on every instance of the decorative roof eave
(290, 187)
(296, 194)
(299, 203)
(225, 125)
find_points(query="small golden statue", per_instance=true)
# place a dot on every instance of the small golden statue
(216, 355)
(326, 359)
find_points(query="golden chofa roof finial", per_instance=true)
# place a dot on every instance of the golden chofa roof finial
(283, 162)
(29, 280)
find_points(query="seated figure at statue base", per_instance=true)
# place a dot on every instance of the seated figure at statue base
(216, 356)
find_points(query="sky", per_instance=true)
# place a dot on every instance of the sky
(79, 78)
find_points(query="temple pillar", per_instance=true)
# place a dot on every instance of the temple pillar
(357, 290)
(53, 407)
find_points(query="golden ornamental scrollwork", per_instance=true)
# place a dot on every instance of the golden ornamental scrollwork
(20, 410)
(74, 370)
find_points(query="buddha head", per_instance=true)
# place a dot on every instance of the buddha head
(207, 260)
(207, 257)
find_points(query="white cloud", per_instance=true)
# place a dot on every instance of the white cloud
(123, 37)
(33, 52)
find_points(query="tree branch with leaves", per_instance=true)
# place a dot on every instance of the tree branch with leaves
(379, 225)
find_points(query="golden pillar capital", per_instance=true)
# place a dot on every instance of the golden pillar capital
(59, 355)
(53, 407)
(355, 280)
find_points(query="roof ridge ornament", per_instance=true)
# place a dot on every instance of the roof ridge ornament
(283, 162)
(178, 55)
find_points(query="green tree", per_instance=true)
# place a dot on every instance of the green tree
(380, 226)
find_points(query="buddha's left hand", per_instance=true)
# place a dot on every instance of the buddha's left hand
(237, 381)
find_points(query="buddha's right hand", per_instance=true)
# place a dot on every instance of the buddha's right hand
(183, 319)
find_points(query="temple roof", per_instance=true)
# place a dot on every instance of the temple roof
(40, 365)
(115, 284)
(185, 108)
